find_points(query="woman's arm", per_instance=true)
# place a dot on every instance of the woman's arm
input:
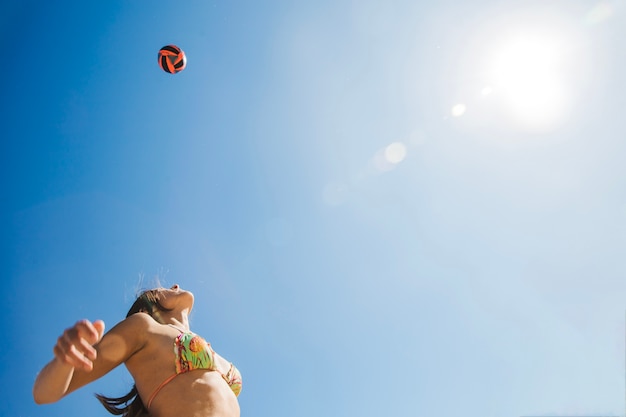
(74, 349)
(82, 355)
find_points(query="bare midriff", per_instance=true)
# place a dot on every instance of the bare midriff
(196, 394)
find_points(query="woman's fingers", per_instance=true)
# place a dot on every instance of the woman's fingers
(75, 346)
(99, 326)
(86, 349)
(86, 330)
(71, 356)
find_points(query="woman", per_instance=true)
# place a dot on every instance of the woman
(190, 380)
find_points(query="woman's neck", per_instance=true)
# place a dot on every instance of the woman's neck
(180, 320)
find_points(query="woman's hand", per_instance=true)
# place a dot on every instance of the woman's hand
(84, 353)
(75, 346)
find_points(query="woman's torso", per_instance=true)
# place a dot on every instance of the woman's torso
(197, 393)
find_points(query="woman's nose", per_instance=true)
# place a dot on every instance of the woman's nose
(175, 287)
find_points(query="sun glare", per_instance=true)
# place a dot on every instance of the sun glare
(527, 72)
(523, 69)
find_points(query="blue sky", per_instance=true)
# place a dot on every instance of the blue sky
(382, 207)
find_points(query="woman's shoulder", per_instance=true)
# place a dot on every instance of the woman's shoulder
(140, 321)
(145, 325)
(134, 331)
(136, 324)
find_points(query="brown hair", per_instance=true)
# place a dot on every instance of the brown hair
(130, 405)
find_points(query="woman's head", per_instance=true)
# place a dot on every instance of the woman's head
(158, 301)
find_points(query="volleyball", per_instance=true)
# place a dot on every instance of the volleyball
(172, 59)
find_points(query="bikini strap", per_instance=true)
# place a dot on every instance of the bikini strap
(156, 391)
(229, 375)
(164, 383)
(182, 331)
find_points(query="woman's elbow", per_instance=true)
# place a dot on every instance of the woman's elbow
(41, 397)
(38, 398)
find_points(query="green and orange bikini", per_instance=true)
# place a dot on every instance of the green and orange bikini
(193, 352)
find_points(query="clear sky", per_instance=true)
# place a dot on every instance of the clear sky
(384, 208)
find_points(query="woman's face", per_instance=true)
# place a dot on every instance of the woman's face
(175, 298)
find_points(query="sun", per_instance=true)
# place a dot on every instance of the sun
(523, 69)
(528, 73)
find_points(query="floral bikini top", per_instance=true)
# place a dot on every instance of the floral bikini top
(193, 352)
